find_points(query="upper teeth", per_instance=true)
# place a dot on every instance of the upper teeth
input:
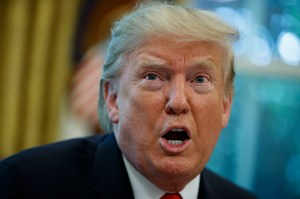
(178, 130)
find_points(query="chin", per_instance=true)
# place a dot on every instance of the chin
(178, 167)
(174, 179)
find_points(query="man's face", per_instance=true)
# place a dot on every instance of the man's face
(169, 109)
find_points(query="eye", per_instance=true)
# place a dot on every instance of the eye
(151, 81)
(151, 77)
(200, 79)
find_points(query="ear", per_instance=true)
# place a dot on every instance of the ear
(227, 102)
(112, 108)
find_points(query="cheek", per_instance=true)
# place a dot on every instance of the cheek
(141, 106)
(208, 120)
(138, 113)
(208, 112)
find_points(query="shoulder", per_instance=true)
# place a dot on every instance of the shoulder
(49, 169)
(222, 188)
(60, 155)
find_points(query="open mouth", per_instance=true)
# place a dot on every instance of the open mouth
(176, 136)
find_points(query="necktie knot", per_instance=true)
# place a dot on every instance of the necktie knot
(171, 196)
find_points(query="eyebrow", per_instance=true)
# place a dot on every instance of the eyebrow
(154, 63)
(204, 63)
(198, 62)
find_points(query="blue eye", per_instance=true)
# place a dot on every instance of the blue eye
(200, 79)
(151, 77)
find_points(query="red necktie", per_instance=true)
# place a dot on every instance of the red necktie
(171, 196)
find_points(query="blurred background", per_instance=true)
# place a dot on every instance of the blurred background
(51, 53)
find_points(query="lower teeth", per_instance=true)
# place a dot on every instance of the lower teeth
(175, 142)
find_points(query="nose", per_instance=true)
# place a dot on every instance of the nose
(177, 102)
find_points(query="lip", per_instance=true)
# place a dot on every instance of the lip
(175, 149)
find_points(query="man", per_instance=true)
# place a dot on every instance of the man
(167, 87)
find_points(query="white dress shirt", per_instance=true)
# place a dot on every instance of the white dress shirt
(144, 189)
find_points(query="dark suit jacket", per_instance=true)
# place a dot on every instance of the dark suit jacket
(85, 168)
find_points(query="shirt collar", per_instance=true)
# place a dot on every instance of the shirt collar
(143, 188)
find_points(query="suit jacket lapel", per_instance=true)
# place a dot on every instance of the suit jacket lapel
(206, 190)
(108, 175)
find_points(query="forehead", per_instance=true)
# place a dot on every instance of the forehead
(170, 51)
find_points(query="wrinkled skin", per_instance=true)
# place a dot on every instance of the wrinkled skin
(169, 85)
